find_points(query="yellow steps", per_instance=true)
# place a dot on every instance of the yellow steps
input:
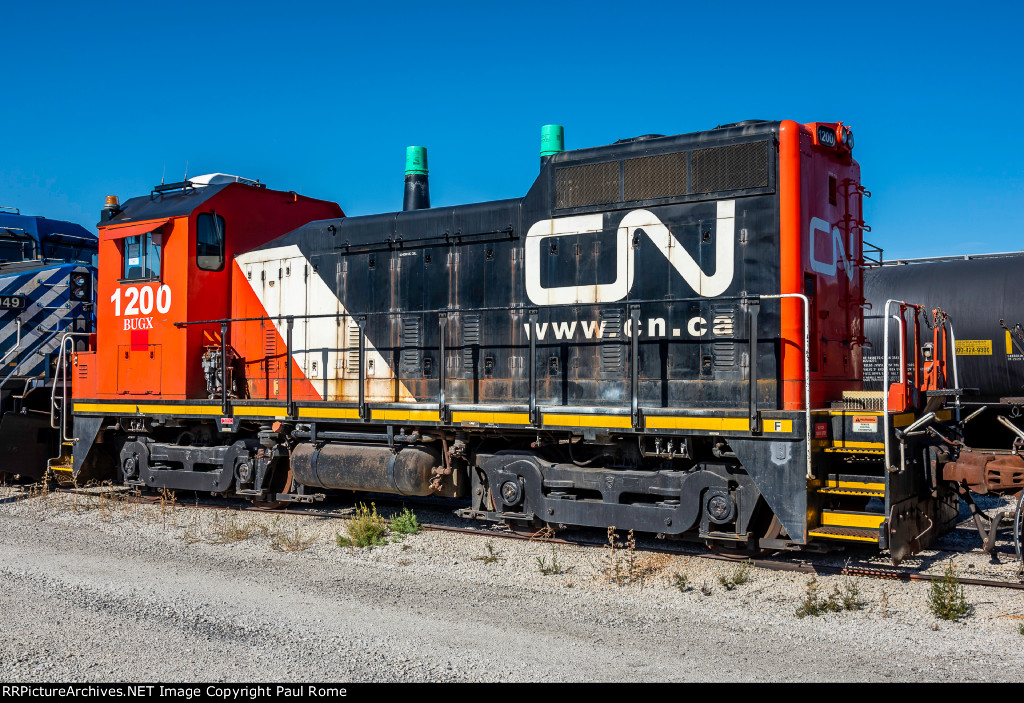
(848, 525)
(867, 486)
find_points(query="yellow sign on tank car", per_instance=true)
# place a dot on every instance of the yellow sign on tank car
(974, 347)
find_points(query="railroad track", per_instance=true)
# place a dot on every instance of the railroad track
(774, 565)
(804, 565)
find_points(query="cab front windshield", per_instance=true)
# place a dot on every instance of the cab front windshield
(15, 248)
(142, 256)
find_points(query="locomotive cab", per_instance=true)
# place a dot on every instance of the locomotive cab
(164, 259)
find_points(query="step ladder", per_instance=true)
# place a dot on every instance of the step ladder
(62, 465)
(850, 525)
(857, 442)
(65, 462)
(856, 424)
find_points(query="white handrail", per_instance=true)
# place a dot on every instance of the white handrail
(956, 376)
(34, 350)
(903, 336)
(885, 374)
(61, 380)
(59, 376)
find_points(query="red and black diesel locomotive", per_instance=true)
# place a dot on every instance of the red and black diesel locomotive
(664, 334)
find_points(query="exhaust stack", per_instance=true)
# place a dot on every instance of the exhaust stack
(552, 141)
(417, 189)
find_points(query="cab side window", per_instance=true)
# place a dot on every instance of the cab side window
(210, 241)
(142, 255)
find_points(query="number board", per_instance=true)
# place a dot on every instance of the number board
(13, 302)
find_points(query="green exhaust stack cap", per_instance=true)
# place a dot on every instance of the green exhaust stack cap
(415, 160)
(552, 139)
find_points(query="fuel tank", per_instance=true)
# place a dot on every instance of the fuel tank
(366, 467)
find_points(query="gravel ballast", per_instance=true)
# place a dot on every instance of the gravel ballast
(101, 590)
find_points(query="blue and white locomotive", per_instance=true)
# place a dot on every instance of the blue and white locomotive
(47, 275)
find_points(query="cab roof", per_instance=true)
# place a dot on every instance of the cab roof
(43, 229)
(173, 200)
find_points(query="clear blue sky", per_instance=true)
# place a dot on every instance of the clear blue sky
(323, 98)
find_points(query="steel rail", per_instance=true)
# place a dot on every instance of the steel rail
(804, 567)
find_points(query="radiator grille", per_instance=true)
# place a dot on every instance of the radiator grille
(655, 176)
(613, 353)
(270, 349)
(352, 349)
(470, 339)
(730, 167)
(724, 354)
(592, 184)
(411, 342)
(723, 323)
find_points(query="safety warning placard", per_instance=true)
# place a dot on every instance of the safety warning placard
(865, 423)
(974, 347)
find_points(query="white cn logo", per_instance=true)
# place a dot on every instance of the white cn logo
(821, 228)
(660, 235)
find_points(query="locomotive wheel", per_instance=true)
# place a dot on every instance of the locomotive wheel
(765, 526)
(280, 483)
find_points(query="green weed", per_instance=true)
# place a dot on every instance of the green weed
(947, 600)
(406, 523)
(842, 597)
(550, 569)
(738, 576)
(490, 557)
(367, 529)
